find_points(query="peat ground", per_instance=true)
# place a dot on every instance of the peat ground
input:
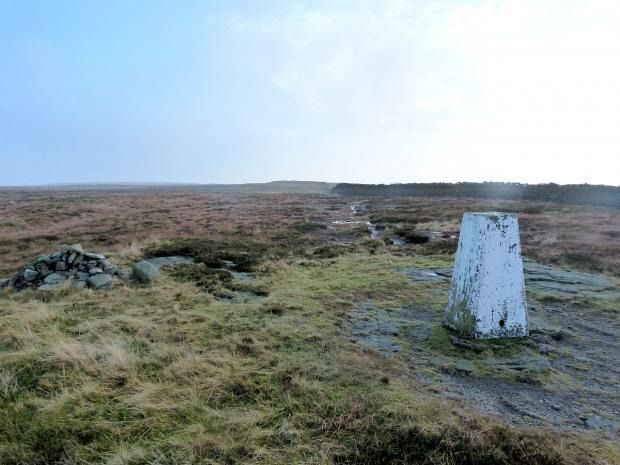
(296, 338)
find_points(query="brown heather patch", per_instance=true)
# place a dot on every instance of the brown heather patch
(35, 222)
(582, 238)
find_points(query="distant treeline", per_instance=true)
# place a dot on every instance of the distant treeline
(578, 194)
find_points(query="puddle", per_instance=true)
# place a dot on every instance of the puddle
(245, 296)
(230, 267)
(372, 229)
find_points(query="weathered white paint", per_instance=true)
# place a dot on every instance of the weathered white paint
(487, 294)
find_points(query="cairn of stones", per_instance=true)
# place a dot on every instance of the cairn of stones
(71, 266)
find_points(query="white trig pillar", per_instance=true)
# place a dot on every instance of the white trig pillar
(487, 293)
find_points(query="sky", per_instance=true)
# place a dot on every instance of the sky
(337, 90)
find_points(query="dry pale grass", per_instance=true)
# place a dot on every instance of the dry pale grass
(168, 374)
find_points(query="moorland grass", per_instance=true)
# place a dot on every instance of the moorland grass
(170, 375)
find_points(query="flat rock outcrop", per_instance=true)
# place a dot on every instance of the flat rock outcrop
(70, 266)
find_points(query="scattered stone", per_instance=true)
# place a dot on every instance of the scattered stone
(597, 422)
(72, 258)
(75, 248)
(418, 332)
(94, 256)
(520, 362)
(100, 281)
(30, 275)
(107, 265)
(93, 271)
(463, 366)
(82, 276)
(545, 349)
(122, 272)
(54, 278)
(61, 266)
(145, 272)
(475, 346)
(46, 287)
(43, 270)
(387, 328)
(453, 366)
(562, 334)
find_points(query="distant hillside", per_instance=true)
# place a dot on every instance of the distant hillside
(284, 187)
(578, 194)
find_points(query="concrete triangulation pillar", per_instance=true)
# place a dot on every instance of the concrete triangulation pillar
(487, 294)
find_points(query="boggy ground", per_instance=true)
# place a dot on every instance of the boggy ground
(299, 342)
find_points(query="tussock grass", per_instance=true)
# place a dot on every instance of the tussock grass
(168, 374)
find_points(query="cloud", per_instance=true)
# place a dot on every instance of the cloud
(550, 87)
(369, 62)
(523, 90)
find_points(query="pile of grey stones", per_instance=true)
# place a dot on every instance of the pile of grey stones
(71, 266)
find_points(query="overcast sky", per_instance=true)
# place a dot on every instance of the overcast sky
(357, 91)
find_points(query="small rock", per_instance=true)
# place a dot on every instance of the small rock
(419, 332)
(61, 266)
(563, 334)
(78, 284)
(597, 422)
(452, 366)
(54, 278)
(519, 362)
(122, 272)
(42, 258)
(94, 271)
(94, 256)
(55, 257)
(100, 281)
(145, 272)
(72, 257)
(75, 248)
(46, 287)
(545, 349)
(387, 328)
(82, 276)
(30, 275)
(540, 338)
(463, 366)
(556, 407)
(475, 346)
(43, 270)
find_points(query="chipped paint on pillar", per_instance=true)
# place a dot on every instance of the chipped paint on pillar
(487, 294)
